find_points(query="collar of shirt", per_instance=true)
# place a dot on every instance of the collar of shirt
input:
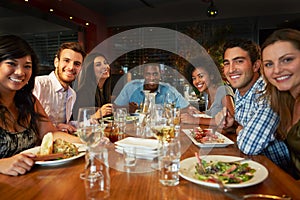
(55, 82)
(257, 87)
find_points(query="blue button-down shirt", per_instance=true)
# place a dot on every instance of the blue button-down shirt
(259, 125)
(133, 92)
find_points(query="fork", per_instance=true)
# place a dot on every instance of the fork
(228, 192)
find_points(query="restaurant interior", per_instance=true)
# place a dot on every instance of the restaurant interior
(45, 24)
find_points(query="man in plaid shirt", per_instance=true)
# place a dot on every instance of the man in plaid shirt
(255, 121)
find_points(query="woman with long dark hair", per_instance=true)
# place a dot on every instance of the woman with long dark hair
(23, 121)
(207, 80)
(94, 86)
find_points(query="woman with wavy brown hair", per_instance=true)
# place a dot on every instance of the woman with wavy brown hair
(281, 68)
(23, 121)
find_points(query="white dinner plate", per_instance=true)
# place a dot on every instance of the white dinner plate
(141, 143)
(140, 153)
(226, 142)
(35, 150)
(187, 171)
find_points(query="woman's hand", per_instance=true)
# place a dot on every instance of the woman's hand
(192, 110)
(17, 164)
(189, 119)
(106, 109)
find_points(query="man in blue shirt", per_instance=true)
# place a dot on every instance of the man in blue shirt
(133, 92)
(255, 121)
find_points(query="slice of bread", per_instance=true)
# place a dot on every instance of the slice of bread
(47, 144)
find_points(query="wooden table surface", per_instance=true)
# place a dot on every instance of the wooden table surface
(63, 182)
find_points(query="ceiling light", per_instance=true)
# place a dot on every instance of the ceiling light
(87, 24)
(70, 17)
(51, 10)
(212, 10)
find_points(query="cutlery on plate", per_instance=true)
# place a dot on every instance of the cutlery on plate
(48, 157)
(228, 192)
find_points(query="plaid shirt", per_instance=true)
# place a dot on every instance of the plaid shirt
(259, 125)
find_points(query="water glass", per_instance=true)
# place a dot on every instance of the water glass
(89, 128)
(96, 175)
(129, 154)
(169, 163)
(120, 119)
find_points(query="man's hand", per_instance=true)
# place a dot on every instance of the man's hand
(133, 107)
(224, 117)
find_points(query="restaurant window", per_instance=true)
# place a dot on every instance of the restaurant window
(46, 45)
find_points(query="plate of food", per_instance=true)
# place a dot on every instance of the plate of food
(207, 138)
(56, 152)
(233, 171)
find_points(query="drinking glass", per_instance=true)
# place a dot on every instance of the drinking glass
(160, 131)
(120, 119)
(169, 163)
(169, 101)
(90, 128)
(96, 176)
(173, 120)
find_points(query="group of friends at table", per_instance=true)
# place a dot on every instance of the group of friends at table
(260, 100)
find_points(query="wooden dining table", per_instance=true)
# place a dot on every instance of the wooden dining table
(63, 181)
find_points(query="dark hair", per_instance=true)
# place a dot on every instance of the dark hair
(251, 47)
(75, 46)
(282, 102)
(88, 85)
(14, 47)
(208, 65)
(150, 64)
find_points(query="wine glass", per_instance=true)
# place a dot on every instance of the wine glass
(89, 125)
(161, 131)
(170, 100)
(169, 104)
(90, 128)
